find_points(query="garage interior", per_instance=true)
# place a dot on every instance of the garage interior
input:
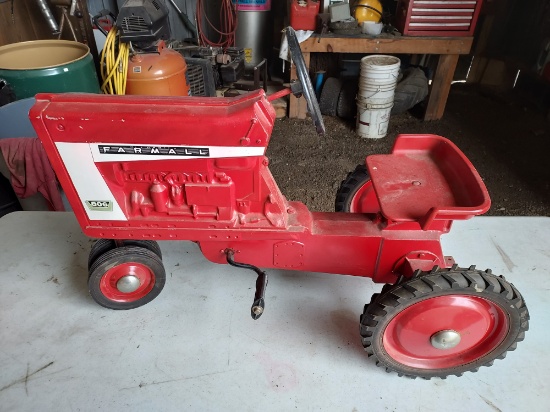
(487, 90)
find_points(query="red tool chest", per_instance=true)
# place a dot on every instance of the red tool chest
(437, 17)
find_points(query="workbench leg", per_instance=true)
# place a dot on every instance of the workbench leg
(441, 86)
(297, 108)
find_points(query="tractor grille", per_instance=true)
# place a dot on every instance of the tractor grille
(133, 24)
(196, 80)
(201, 77)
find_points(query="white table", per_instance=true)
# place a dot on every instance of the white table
(195, 347)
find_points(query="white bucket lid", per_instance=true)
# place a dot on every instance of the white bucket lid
(380, 62)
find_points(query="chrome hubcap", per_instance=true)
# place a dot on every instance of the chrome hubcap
(128, 284)
(445, 339)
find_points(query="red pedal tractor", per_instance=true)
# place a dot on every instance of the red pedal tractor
(141, 169)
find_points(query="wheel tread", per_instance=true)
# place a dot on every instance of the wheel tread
(470, 280)
(102, 246)
(507, 290)
(418, 287)
(349, 186)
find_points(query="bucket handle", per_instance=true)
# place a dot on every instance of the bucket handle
(375, 93)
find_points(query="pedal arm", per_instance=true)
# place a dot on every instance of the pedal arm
(258, 305)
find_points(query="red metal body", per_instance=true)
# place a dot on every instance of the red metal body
(437, 17)
(195, 169)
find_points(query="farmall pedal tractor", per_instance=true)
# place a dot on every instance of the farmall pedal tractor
(139, 169)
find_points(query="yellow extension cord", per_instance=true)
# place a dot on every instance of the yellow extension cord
(114, 64)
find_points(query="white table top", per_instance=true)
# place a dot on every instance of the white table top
(195, 346)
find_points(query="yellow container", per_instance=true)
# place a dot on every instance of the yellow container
(368, 10)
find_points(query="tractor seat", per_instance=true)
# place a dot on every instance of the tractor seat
(426, 178)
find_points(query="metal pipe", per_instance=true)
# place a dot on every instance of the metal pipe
(185, 20)
(48, 16)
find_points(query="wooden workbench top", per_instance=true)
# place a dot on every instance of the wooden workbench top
(385, 43)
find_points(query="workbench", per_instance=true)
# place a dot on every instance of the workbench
(196, 348)
(447, 48)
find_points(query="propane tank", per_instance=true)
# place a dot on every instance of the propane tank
(303, 14)
(157, 74)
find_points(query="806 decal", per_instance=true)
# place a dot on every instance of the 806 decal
(100, 205)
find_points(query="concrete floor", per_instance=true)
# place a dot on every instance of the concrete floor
(195, 347)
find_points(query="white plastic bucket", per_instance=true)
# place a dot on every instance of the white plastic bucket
(379, 69)
(363, 84)
(373, 120)
(376, 93)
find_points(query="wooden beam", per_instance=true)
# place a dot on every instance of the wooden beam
(88, 32)
(28, 22)
(298, 107)
(441, 86)
(387, 44)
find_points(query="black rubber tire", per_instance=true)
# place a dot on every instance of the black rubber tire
(103, 245)
(347, 108)
(349, 187)
(439, 282)
(119, 256)
(411, 90)
(328, 101)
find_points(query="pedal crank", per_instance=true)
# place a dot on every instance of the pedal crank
(258, 305)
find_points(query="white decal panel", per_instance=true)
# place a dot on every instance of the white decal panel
(96, 197)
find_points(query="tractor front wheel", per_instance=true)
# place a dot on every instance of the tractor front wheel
(126, 277)
(444, 322)
(104, 245)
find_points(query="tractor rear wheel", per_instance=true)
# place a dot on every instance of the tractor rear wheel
(356, 193)
(126, 277)
(444, 322)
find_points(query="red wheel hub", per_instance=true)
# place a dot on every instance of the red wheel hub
(480, 325)
(364, 200)
(139, 276)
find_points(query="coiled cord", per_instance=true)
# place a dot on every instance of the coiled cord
(114, 64)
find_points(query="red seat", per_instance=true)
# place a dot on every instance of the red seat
(426, 178)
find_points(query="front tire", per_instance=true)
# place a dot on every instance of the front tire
(104, 245)
(445, 322)
(126, 278)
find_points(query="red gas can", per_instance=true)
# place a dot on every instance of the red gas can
(302, 14)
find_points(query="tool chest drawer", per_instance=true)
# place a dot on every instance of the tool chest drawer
(437, 17)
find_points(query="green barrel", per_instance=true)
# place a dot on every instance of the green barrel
(48, 66)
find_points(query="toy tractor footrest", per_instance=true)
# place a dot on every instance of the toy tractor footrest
(427, 178)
